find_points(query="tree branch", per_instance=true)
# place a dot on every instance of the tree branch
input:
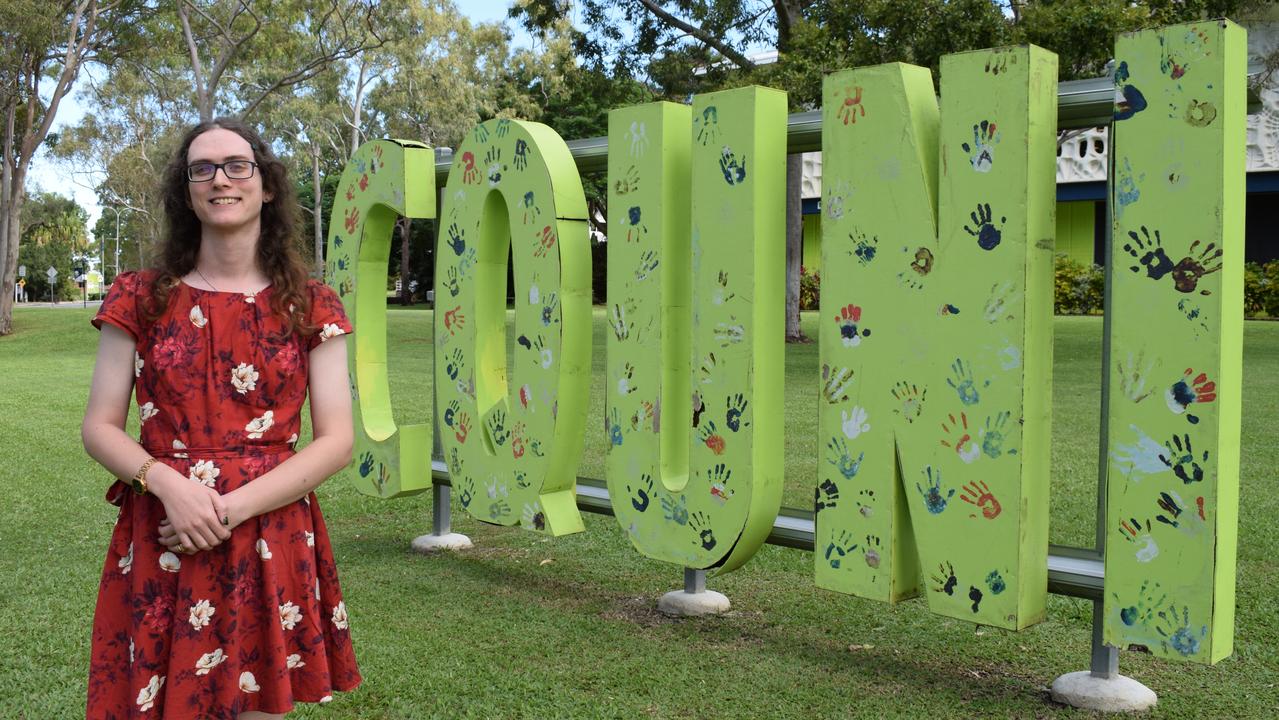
(724, 49)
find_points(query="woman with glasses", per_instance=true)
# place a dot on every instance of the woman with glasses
(219, 598)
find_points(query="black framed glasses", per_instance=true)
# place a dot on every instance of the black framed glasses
(233, 169)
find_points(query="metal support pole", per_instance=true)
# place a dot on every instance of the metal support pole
(694, 581)
(1105, 658)
(441, 513)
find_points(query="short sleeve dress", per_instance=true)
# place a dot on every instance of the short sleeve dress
(257, 622)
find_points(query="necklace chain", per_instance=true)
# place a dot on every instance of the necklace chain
(205, 279)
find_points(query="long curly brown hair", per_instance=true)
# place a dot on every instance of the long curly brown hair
(278, 254)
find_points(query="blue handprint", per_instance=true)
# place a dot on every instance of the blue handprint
(736, 408)
(521, 154)
(497, 427)
(962, 381)
(839, 547)
(451, 412)
(455, 364)
(642, 493)
(548, 310)
(842, 459)
(615, 428)
(734, 171)
(457, 239)
(676, 512)
(366, 464)
(933, 499)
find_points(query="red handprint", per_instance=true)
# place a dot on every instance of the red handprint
(547, 241)
(350, 193)
(352, 219)
(978, 494)
(364, 181)
(454, 320)
(1191, 388)
(852, 105)
(847, 320)
(463, 426)
(470, 175)
(517, 440)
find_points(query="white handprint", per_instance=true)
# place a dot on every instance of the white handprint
(638, 136)
(1142, 457)
(855, 422)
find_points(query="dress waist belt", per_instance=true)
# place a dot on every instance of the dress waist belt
(214, 453)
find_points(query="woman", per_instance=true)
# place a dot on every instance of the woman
(219, 598)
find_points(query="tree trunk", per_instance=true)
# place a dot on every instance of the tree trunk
(318, 215)
(794, 244)
(406, 232)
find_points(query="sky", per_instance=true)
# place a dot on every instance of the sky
(47, 175)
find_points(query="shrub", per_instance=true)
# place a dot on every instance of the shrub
(810, 286)
(1261, 289)
(1078, 289)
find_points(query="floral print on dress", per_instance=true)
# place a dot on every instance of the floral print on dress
(199, 635)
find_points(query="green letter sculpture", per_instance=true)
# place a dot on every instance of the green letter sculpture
(513, 449)
(936, 335)
(1177, 340)
(384, 180)
(717, 515)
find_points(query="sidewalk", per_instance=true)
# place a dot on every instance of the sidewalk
(63, 304)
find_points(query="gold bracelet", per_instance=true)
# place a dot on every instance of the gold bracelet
(140, 477)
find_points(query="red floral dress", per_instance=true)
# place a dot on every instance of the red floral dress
(257, 622)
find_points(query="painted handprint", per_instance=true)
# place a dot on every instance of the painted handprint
(521, 154)
(825, 495)
(988, 236)
(456, 364)
(978, 494)
(531, 211)
(835, 383)
(975, 595)
(959, 439)
(1138, 533)
(366, 464)
(454, 320)
(519, 431)
(1177, 631)
(1172, 507)
(638, 137)
(871, 552)
(962, 381)
(992, 436)
(1126, 190)
(981, 154)
(481, 134)
(617, 320)
(911, 399)
(636, 230)
(502, 128)
(467, 262)
(842, 460)
(719, 476)
(1181, 458)
(468, 492)
(706, 371)
(851, 107)
(494, 165)
(544, 355)
(864, 248)
(624, 386)
(463, 427)
(642, 416)
(944, 581)
(533, 516)
(708, 131)
(854, 422)
(1146, 606)
(549, 310)
(734, 417)
(729, 333)
(702, 526)
(721, 294)
(933, 498)
(1132, 373)
(470, 175)
(647, 264)
(499, 509)
(1149, 253)
(545, 241)
(614, 427)
(995, 582)
(865, 503)
(838, 548)
(999, 60)
(629, 182)
(351, 220)
(457, 239)
(1128, 99)
(1190, 269)
(734, 170)
(497, 427)
(847, 319)
(642, 494)
(1141, 458)
(453, 283)
(710, 437)
(1190, 389)
(675, 511)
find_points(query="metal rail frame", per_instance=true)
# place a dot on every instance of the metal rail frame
(1072, 571)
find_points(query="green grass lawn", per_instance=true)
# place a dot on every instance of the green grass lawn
(526, 626)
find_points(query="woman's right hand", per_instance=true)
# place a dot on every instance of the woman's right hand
(195, 511)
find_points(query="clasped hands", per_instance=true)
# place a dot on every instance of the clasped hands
(196, 517)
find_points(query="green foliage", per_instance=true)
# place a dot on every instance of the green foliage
(810, 288)
(1261, 289)
(1078, 289)
(53, 235)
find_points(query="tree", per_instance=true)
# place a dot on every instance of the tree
(39, 41)
(53, 235)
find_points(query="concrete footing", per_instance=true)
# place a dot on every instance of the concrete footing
(680, 603)
(1113, 694)
(435, 543)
